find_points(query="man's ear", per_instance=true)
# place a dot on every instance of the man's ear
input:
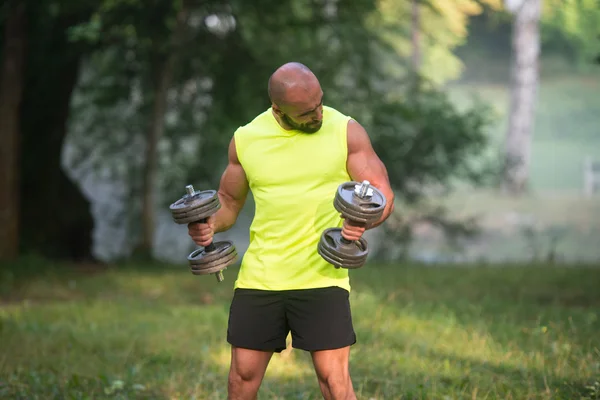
(276, 109)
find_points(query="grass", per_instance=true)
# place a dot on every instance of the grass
(528, 332)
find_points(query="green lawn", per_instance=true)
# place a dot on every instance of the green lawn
(528, 332)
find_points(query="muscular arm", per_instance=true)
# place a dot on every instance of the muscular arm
(233, 190)
(364, 164)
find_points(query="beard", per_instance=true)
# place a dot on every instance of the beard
(306, 128)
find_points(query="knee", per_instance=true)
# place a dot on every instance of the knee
(338, 383)
(238, 375)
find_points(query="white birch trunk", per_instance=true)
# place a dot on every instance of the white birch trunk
(524, 86)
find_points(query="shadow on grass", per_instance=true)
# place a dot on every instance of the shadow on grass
(523, 297)
(424, 333)
(163, 376)
(35, 280)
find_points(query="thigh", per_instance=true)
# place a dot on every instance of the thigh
(320, 319)
(331, 363)
(257, 320)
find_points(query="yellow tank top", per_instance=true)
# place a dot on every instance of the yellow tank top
(293, 177)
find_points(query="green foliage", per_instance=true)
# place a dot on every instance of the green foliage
(219, 83)
(443, 25)
(574, 26)
(425, 141)
(437, 332)
(428, 146)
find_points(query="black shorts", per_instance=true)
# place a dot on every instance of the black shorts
(319, 319)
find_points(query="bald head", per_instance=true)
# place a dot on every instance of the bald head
(296, 98)
(292, 83)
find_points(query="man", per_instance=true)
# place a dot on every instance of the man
(293, 157)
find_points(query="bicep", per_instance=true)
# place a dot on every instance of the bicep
(234, 184)
(363, 163)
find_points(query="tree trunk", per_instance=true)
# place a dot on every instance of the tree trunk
(150, 173)
(11, 90)
(163, 78)
(524, 84)
(416, 34)
(56, 220)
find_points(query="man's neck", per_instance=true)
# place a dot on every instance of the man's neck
(281, 122)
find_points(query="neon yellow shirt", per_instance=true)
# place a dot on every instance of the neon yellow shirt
(293, 177)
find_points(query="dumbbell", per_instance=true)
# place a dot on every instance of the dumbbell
(358, 202)
(197, 207)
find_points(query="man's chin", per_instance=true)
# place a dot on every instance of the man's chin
(312, 128)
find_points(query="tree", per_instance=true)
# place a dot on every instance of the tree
(55, 216)
(572, 26)
(428, 146)
(103, 62)
(415, 28)
(427, 31)
(11, 93)
(524, 85)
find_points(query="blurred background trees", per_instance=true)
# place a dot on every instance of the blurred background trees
(110, 108)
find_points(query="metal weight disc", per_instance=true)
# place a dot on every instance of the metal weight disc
(366, 208)
(198, 199)
(347, 192)
(185, 212)
(369, 208)
(341, 254)
(331, 239)
(370, 205)
(337, 262)
(197, 214)
(214, 265)
(354, 215)
(222, 250)
(191, 208)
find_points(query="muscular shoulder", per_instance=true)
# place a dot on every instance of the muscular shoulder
(232, 154)
(357, 137)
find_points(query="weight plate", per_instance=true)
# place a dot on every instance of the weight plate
(201, 256)
(347, 200)
(197, 200)
(324, 250)
(215, 261)
(214, 266)
(184, 212)
(332, 241)
(365, 206)
(356, 215)
(338, 263)
(202, 213)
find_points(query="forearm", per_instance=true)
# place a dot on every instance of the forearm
(227, 215)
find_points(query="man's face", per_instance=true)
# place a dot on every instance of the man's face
(307, 127)
(305, 115)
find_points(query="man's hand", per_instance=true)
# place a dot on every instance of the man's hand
(202, 233)
(352, 231)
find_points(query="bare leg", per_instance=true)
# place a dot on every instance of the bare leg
(246, 372)
(333, 373)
